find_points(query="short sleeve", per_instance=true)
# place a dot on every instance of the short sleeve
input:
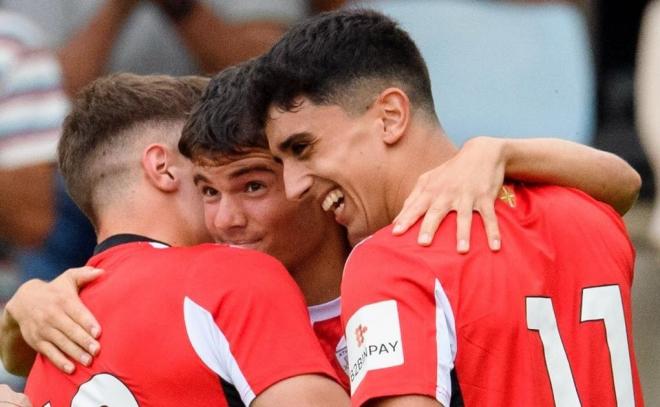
(399, 326)
(247, 320)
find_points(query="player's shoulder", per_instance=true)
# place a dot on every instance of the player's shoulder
(383, 253)
(558, 201)
(210, 254)
(233, 266)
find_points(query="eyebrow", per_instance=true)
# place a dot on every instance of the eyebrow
(197, 178)
(294, 138)
(250, 168)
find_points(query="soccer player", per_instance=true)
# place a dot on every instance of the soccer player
(544, 321)
(244, 204)
(169, 339)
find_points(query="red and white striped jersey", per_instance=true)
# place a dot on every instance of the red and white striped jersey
(205, 325)
(546, 321)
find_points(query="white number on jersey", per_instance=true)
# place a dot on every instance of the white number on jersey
(104, 390)
(598, 303)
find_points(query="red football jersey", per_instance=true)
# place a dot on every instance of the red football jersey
(546, 321)
(326, 321)
(198, 326)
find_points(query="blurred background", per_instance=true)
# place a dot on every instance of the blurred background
(584, 70)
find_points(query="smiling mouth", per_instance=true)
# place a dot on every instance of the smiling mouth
(334, 201)
(242, 243)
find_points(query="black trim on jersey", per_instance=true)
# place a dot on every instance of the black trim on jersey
(456, 396)
(231, 394)
(123, 238)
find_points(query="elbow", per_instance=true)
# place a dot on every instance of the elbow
(11, 362)
(631, 188)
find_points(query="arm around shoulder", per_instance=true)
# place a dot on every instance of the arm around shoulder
(304, 390)
(604, 176)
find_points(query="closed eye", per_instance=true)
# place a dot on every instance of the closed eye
(298, 148)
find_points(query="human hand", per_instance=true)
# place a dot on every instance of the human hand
(10, 398)
(468, 182)
(54, 322)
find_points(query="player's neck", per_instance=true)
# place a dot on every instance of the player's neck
(139, 220)
(430, 147)
(319, 275)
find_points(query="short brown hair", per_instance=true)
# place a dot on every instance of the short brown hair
(103, 115)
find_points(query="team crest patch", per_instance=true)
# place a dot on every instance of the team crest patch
(373, 336)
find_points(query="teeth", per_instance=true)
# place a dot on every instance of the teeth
(332, 199)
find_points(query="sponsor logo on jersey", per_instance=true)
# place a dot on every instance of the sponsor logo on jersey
(373, 336)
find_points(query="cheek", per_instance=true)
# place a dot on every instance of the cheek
(209, 215)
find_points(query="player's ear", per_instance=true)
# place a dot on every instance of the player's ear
(158, 163)
(394, 111)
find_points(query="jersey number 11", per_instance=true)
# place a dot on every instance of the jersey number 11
(598, 303)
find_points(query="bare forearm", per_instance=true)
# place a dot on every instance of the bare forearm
(17, 356)
(217, 44)
(600, 174)
(85, 56)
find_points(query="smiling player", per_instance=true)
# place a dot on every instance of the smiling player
(545, 321)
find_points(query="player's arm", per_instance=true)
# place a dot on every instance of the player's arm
(472, 179)
(398, 352)
(305, 390)
(8, 397)
(405, 401)
(49, 318)
(231, 43)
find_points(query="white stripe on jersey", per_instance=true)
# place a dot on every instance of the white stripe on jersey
(445, 334)
(213, 348)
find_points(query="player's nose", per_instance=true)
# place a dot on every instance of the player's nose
(229, 215)
(297, 180)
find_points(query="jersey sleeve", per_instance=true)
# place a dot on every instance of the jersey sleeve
(398, 324)
(247, 321)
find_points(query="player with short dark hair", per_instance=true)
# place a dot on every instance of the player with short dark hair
(545, 321)
(200, 325)
(244, 204)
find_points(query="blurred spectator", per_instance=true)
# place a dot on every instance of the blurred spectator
(160, 36)
(167, 36)
(32, 106)
(36, 214)
(647, 89)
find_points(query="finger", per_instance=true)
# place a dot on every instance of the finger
(430, 224)
(84, 319)
(414, 211)
(463, 225)
(84, 275)
(404, 219)
(56, 357)
(68, 346)
(492, 227)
